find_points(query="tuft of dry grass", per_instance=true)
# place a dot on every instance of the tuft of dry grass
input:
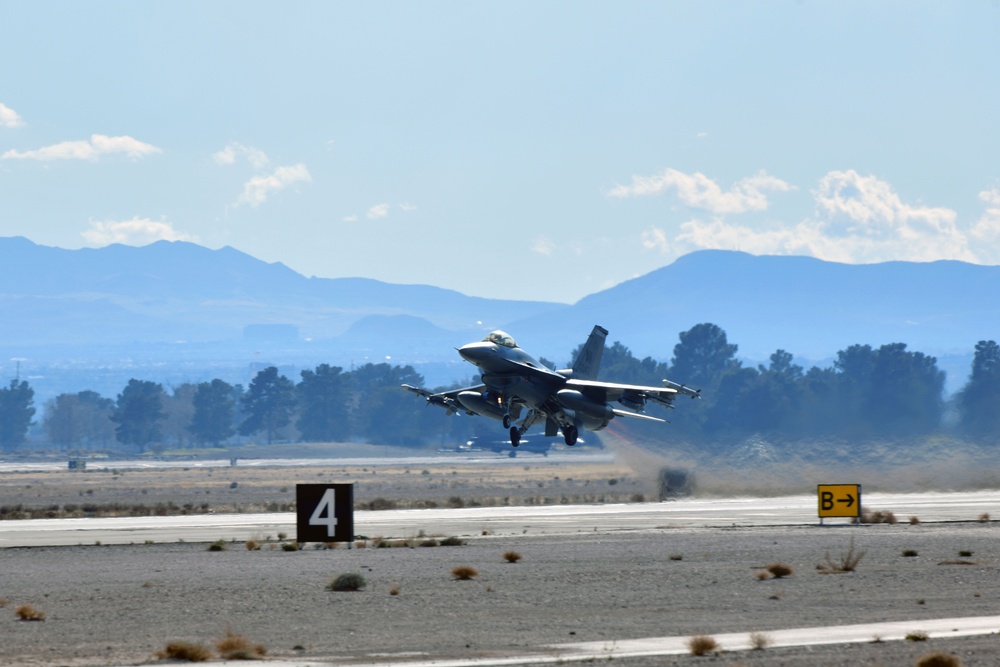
(234, 646)
(847, 562)
(762, 575)
(394, 590)
(760, 641)
(938, 659)
(252, 545)
(779, 570)
(511, 556)
(184, 651)
(702, 645)
(914, 520)
(984, 517)
(464, 572)
(916, 636)
(27, 612)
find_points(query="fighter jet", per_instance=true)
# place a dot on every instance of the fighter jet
(519, 391)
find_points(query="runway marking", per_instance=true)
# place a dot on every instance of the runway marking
(941, 628)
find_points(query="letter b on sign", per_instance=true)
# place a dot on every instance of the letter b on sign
(826, 501)
(324, 512)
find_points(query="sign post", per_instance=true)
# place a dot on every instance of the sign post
(839, 500)
(324, 513)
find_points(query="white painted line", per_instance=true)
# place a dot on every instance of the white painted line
(652, 646)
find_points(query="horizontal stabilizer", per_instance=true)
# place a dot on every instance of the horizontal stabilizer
(626, 413)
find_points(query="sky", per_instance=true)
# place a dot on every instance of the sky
(516, 150)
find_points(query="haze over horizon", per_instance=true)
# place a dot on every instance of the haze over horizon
(513, 151)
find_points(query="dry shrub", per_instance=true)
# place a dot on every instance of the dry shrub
(3, 602)
(511, 556)
(235, 646)
(184, 651)
(910, 553)
(761, 575)
(914, 520)
(984, 517)
(26, 612)
(779, 570)
(394, 591)
(702, 644)
(218, 545)
(360, 544)
(916, 636)
(760, 641)
(351, 581)
(847, 562)
(252, 545)
(452, 541)
(877, 516)
(938, 659)
(465, 572)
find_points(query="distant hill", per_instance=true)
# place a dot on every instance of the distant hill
(178, 291)
(182, 311)
(806, 306)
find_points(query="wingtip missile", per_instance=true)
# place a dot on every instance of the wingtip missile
(682, 389)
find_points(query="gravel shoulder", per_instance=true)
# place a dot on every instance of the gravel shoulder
(120, 604)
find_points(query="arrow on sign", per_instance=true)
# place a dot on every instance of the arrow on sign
(849, 500)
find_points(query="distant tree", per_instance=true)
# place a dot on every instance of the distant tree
(323, 404)
(269, 404)
(703, 357)
(384, 413)
(979, 400)
(139, 414)
(16, 411)
(82, 419)
(178, 409)
(619, 365)
(905, 396)
(214, 417)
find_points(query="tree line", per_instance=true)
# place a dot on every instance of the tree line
(867, 393)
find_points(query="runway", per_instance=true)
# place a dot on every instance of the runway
(520, 520)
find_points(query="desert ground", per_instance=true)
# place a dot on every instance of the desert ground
(120, 605)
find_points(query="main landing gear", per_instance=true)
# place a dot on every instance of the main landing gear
(515, 434)
(570, 434)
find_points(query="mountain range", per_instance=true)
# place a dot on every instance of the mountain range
(178, 305)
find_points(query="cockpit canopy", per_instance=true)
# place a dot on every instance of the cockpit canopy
(501, 338)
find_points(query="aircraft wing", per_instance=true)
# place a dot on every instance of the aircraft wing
(445, 399)
(628, 394)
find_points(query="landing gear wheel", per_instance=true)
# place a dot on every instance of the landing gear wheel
(515, 436)
(571, 434)
(506, 421)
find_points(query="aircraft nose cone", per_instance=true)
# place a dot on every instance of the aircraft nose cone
(475, 352)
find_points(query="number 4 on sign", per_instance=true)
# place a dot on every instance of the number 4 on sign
(330, 520)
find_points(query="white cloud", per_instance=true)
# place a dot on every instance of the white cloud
(257, 190)
(9, 117)
(236, 150)
(543, 246)
(378, 211)
(137, 231)
(93, 149)
(986, 232)
(699, 191)
(349, 218)
(407, 207)
(859, 219)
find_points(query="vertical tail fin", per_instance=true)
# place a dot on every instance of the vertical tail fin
(588, 362)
